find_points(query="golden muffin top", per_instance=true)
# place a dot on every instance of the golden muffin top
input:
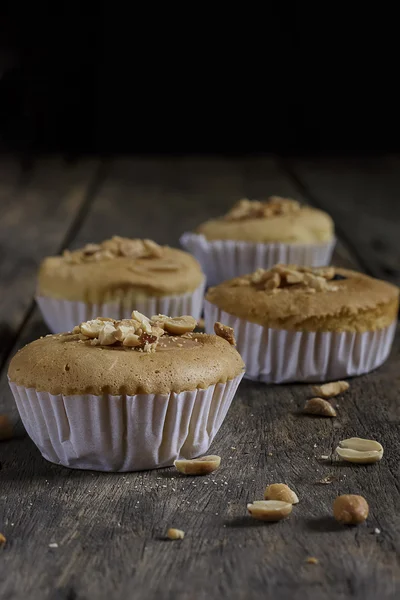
(274, 220)
(132, 356)
(309, 299)
(100, 272)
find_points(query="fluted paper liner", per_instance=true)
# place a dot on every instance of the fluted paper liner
(63, 315)
(226, 259)
(124, 433)
(280, 356)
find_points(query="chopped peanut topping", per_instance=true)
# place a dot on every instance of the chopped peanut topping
(227, 333)
(310, 279)
(139, 332)
(275, 206)
(113, 248)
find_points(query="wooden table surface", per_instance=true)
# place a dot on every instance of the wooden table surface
(110, 528)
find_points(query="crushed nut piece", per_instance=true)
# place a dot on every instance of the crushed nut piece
(329, 390)
(328, 479)
(2, 539)
(269, 510)
(175, 325)
(198, 466)
(311, 560)
(350, 509)
(253, 209)
(113, 248)
(280, 491)
(139, 332)
(358, 450)
(320, 407)
(6, 428)
(175, 534)
(306, 279)
(227, 333)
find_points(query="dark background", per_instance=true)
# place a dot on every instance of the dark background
(109, 79)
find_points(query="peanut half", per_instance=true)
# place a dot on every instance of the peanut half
(227, 333)
(329, 390)
(269, 510)
(350, 509)
(361, 451)
(175, 325)
(320, 407)
(282, 492)
(198, 466)
(175, 534)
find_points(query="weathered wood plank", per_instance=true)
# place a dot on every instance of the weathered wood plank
(110, 528)
(35, 218)
(363, 198)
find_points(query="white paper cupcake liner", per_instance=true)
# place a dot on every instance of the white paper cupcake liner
(280, 356)
(123, 433)
(63, 315)
(226, 259)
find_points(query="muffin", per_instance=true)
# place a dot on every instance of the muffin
(125, 395)
(257, 234)
(113, 277)
(306, 324)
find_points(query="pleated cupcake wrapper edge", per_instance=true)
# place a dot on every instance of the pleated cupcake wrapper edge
(226, 259)
(124, 433)
(62, 315)
(280, 356)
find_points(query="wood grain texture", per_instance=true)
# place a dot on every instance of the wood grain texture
(110, 529)
(363, 198)
(37, 211)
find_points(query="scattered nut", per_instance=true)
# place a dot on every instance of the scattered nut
(318, 406)
(269, 510)
(107, 334)
(2, 539)
(6, 429)
(198, 466)
(175, 534)
(357, 450)
(227, 333)
(179, 325)
(350, 509)
(329, 390)
(282, 492)
(328, 479)
(92, 328)
(311, 560)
